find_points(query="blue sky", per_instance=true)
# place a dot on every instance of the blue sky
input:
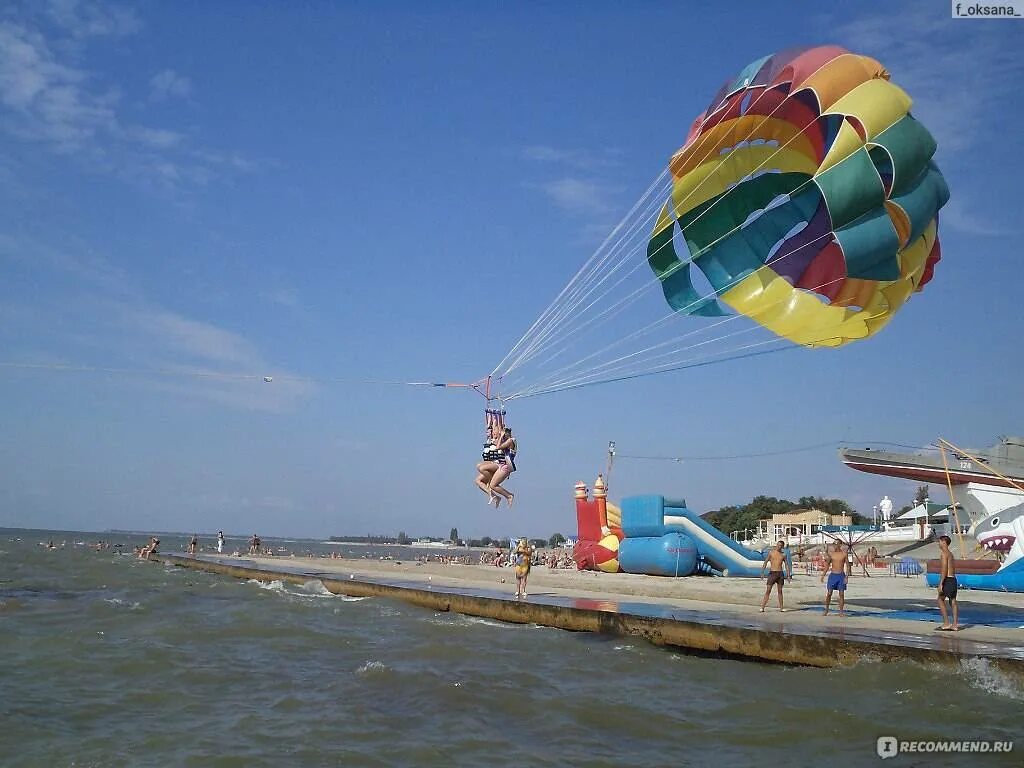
(351, 191)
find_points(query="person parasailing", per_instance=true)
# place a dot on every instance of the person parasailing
(507, 448)
(488, 465)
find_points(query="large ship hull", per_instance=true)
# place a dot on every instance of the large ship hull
(989, 480)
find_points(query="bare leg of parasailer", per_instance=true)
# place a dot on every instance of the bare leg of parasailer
(499, 477)
(485, 473)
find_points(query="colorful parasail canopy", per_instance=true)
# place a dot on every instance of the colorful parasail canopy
(807, 196)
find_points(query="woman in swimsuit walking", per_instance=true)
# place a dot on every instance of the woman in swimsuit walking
(524, 559)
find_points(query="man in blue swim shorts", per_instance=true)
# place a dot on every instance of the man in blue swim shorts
(836, 572)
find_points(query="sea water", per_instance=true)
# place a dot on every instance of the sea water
(106, 660)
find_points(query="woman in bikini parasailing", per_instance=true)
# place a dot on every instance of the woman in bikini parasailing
(507, 447)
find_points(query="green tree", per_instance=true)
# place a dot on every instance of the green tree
(454, 535)
(830, 506)
(746, 517)
(921, 495)
(556, 540)
(403, 538)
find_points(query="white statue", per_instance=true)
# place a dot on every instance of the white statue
(885, 507)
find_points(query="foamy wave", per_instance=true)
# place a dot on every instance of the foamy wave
(373, 668)
(273, 586)
(132, 606)
(316, 589)
(310, 590)
(487, 622)
(623, 647)
(981, 673)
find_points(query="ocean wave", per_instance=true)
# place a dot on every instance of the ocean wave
(486, 622)
(373, 668)
(309, 590)
(981, 673)
(132, 606)
(315, 588)
(271, 586)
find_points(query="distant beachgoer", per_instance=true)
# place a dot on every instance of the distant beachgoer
(193, 544)
(776, 558)
(150, 548)
(507, 449)
(524, 559)
(947, 586)
(836, 572)
(220, 542)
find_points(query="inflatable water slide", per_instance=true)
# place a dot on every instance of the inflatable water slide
(653, 535)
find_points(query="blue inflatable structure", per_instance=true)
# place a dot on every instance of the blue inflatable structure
(662, 537)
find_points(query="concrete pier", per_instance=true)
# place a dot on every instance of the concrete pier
(695, 626)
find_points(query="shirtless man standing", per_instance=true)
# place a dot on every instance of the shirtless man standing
(947, 586)
(777, 573)
(836, 572)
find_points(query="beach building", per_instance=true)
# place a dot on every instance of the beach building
(927, 519)
(798, 526)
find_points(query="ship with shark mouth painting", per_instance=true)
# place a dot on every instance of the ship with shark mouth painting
(988, 484)
(985, 481)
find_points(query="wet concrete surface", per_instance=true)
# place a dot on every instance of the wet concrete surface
(794, 637)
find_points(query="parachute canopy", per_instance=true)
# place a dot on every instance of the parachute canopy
(802, 211)
(806, 196)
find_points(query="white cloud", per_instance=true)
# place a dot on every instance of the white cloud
(191, 338)
(581, 159)
(84, 18)
(286, 297)
(48, 100)
(168, 83)
(956, 72)
(158, 138)
(960, 75)
(104, 321)
(577, 184)
(957, 215)
(86, 269)
(578, 195)
(48, 96)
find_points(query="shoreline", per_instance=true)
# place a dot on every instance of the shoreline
(717, 616)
